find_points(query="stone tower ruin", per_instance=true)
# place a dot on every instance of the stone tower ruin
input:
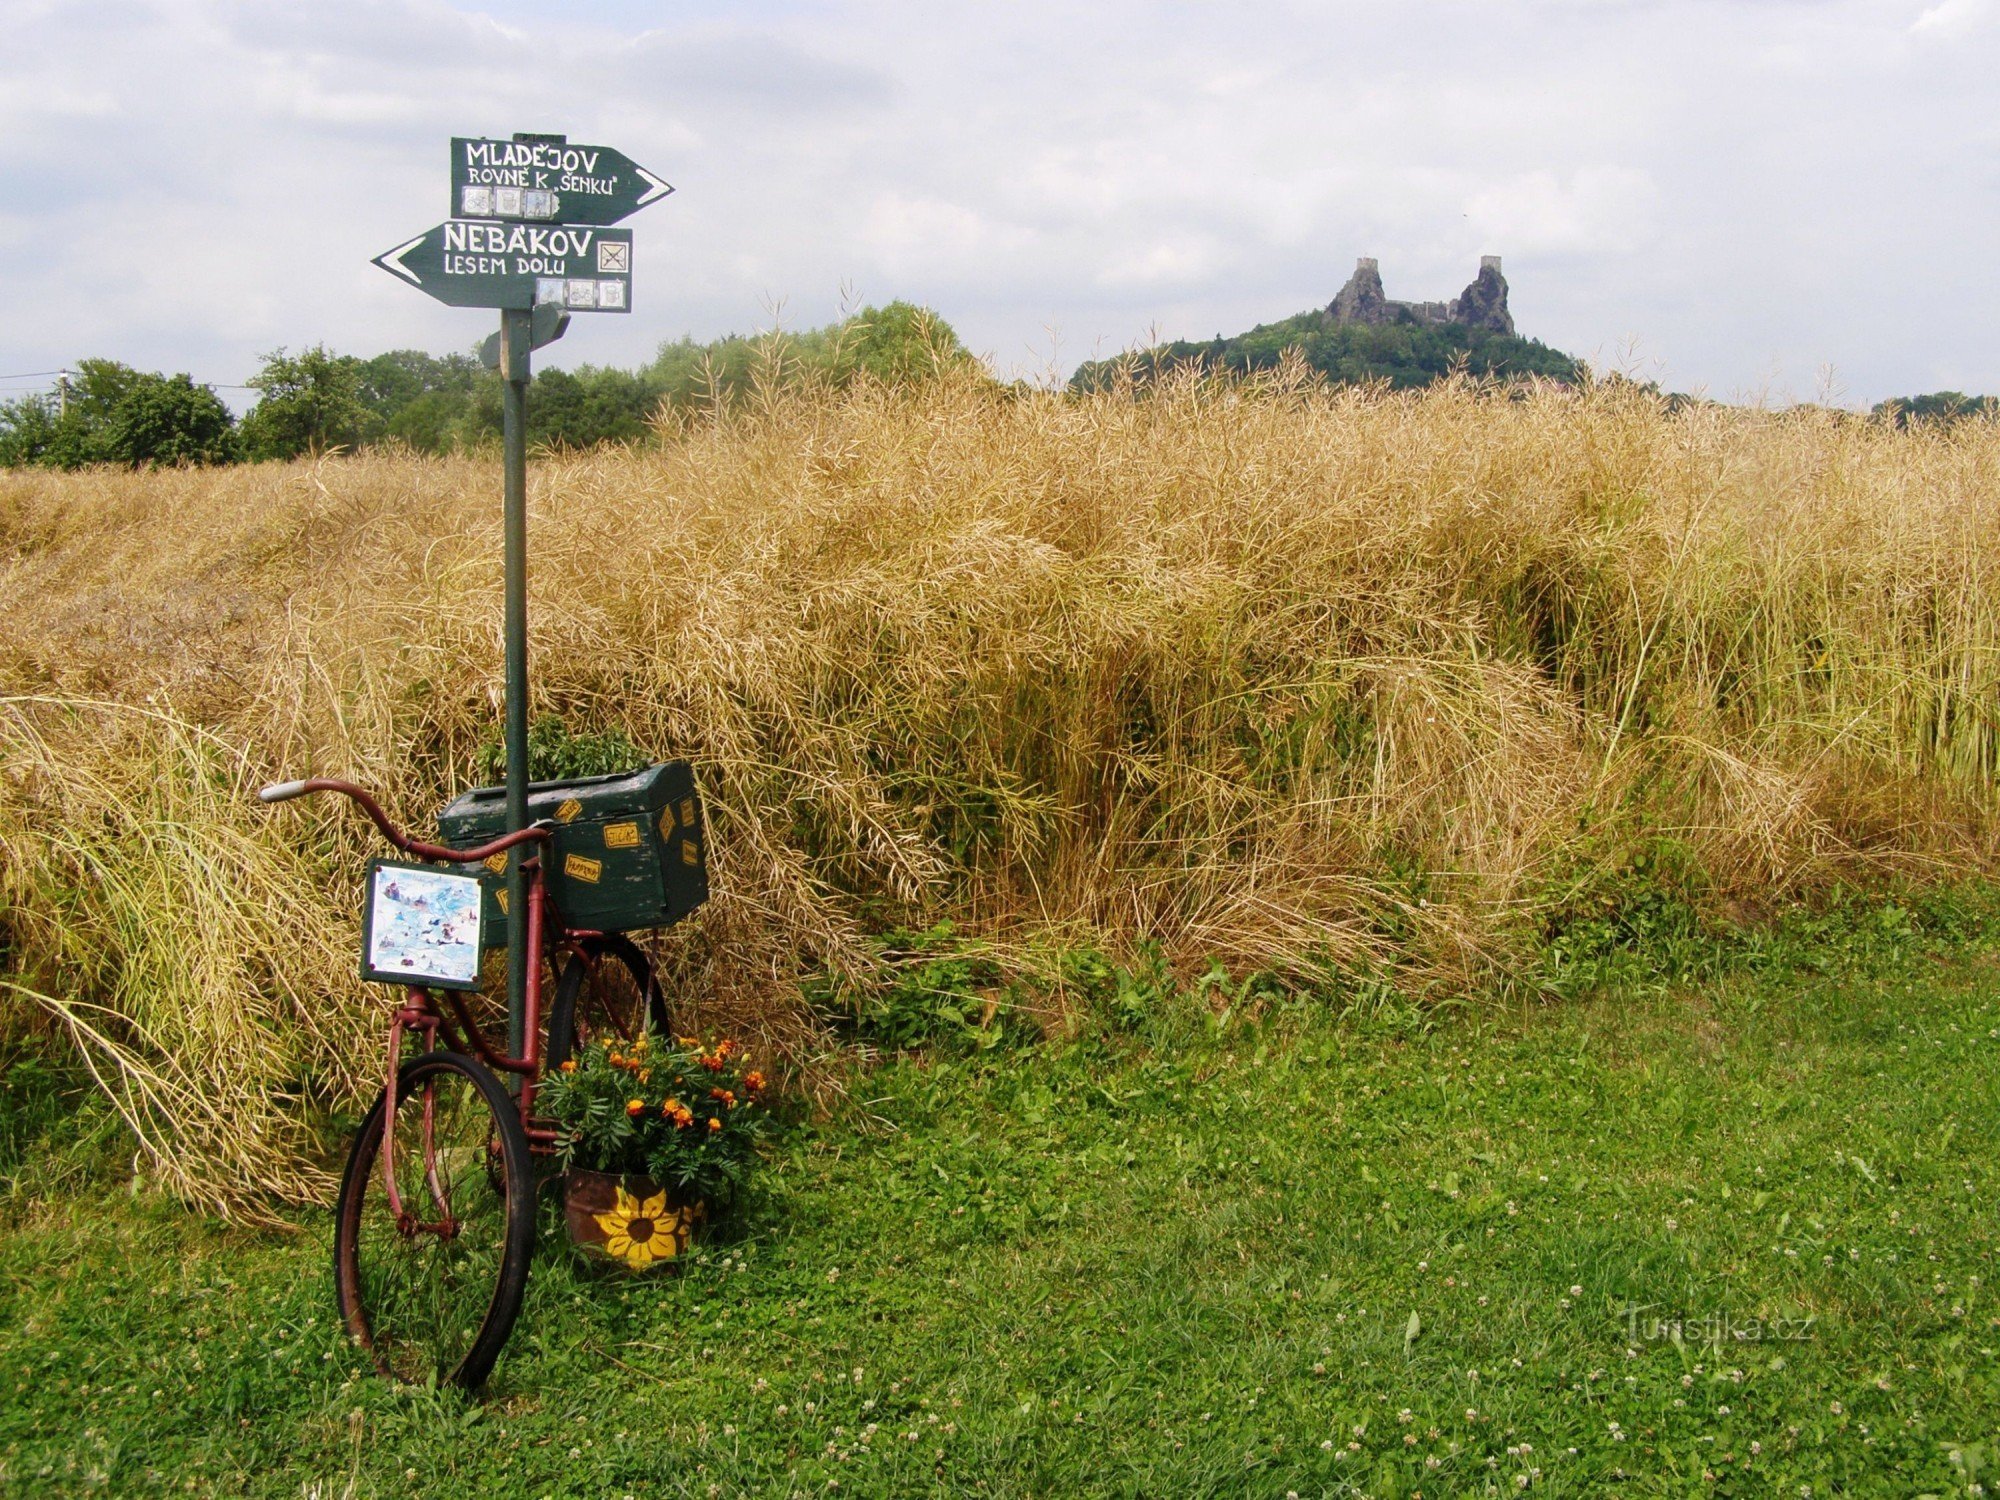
(1483, 304)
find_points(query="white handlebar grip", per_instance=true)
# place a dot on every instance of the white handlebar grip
(282, 791)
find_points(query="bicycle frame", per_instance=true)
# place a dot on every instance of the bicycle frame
(460, 1030)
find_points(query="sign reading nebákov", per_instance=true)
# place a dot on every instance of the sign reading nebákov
(482, 263)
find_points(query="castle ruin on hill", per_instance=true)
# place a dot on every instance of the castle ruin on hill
(1483, 304)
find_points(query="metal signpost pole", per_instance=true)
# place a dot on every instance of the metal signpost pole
(514, 347)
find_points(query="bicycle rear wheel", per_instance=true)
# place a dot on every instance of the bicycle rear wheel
(607, 989)
(432, 1293)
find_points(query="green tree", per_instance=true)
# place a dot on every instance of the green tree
(575, 409)
(116, 414)
(899, 343)
(29, 432)
(310, 402)
(424, 400)
(168, 419)
(1943, 407)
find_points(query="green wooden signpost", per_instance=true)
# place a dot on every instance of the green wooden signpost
(528, 236)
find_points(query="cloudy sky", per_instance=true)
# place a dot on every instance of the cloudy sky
(1731, 195)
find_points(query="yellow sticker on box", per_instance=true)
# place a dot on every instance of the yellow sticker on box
(687, 812)
(577, 867)
(568, 811)
(621, 835)
(500, 900)
(497, 863)
(690, 852)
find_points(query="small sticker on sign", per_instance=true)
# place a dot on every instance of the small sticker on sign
(568, 811)
(500, 900)
(614, 255)
(578, 867)
(687, 812)
(497, 863)
(621, 835)
(690, 852)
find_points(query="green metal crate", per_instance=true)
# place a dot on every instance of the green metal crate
(628, 851)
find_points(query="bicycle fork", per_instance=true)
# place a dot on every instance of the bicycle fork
(420, 1015)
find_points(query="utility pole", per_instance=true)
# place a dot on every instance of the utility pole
(62, 394)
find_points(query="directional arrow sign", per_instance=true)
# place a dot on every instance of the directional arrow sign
(478, 263)
(544, 179)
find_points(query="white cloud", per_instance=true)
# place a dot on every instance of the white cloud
(1951, 16)
(1740, 185)
(1592, 210)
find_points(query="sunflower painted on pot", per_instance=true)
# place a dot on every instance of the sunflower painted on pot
(629, 1219)
(641, 1231)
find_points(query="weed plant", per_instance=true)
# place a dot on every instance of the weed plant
(1408, 689)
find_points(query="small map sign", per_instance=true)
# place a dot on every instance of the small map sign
(482, 263)
(545, 179)
(420, 926)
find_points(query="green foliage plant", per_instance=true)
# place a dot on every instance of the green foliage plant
(557, 754)
(688, 1114)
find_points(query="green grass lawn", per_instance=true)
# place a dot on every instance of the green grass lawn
(1738, 1237)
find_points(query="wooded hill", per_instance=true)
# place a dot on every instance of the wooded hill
(1403, 354)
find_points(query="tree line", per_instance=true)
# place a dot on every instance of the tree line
(316, 401)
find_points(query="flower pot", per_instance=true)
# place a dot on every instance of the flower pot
(631, 1220)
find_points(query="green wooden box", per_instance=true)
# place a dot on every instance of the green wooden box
(628, 851)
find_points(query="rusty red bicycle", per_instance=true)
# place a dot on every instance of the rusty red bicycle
(434, 1230)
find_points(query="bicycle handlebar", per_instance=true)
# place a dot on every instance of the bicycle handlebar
(285, 791)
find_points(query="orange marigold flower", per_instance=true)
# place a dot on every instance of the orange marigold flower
(684, 1118)
(753, 1081)
(635, 1106)
(712, 1062)
(725, 1047)
(724, 1095)
(714, 1124)
(689, 1041)
(645, 1075)
(671, 1108)
(569, 1065)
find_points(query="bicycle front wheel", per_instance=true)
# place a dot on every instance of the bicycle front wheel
(431, 1284)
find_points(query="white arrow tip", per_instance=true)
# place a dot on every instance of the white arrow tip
(392, 260)
(656, 189)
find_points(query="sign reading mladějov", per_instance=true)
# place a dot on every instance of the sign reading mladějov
(489, 263)
(545, 179)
